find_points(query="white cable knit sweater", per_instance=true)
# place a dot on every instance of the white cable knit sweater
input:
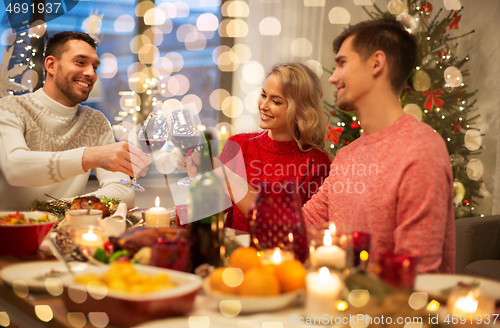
(41, 148)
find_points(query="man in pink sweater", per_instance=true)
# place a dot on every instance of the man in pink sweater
(395, 181)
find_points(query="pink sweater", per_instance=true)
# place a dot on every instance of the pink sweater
(396, 185)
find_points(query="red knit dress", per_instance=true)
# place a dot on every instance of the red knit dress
(266, 159)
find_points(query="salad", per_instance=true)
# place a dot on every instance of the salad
(18, 218)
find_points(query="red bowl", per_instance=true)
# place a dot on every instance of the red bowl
(128, 309)
(24, 239)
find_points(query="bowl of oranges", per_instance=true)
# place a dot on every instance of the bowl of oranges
(250, 284)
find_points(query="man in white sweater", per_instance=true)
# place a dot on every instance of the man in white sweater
(49, 142)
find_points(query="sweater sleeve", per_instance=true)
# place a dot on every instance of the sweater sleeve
(23, 167)
(424, 212)
(315, 211)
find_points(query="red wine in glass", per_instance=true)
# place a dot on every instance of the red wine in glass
(185, 143)
(150, 145)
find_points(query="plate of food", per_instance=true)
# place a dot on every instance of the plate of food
(440, 285)
(34, 274)
(131, 293)
(252, 284)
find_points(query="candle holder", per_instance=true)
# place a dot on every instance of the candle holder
(361, 249)
(89, 238)
(398, 270)
(323, 289)
(330, 249)
(79, 218)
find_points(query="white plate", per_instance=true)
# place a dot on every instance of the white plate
(32, 273)
(433, 284)
(254, 304)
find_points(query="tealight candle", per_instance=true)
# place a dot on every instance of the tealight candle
(323, 289)
(89, 237)
(328, 254)
(276, 256)
(157, 216)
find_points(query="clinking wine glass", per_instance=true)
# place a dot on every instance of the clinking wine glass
(184, 135)
(152, 135)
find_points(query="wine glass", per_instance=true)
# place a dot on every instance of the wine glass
(184, 135)
(152, 135)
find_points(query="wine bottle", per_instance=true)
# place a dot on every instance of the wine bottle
(205, 213)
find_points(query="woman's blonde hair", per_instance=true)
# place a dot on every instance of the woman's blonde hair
(305, 116)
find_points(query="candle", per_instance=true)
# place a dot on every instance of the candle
(157, 216)
(276, 256)
(328, 255)
(89, 237)
(323, 289)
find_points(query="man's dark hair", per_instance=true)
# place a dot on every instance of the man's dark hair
(390, 36)
(55, 46)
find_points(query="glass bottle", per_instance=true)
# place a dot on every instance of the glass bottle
(205, 213)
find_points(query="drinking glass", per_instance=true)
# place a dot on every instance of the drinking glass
(152, 135)
(184, 135)
(276, 219)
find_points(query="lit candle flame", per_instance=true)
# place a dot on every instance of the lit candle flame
(157, 201)
(277, 256)
(324, 274)
(89, 236)
(327, 239)
(466, 304)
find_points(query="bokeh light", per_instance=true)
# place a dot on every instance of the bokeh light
(253, 72)
(235, 28)
(207, 22)
(4, 319)
(230, 308)
(154, 16)
(44, 313)
(397, 7)
(108, 67)
(232, 107)
(314, 3)
(8, 37)
(138, 41)
(364, 2)
(315, 66)
(339, 15)
(76, 319)
(414, 110)
(270, 26)
(164, 66)
(169, 9)
(182, 9)
(246, 123)
(124, 23)
(359, 297)
(251, 101)
(129, 101)
(142, 7)
(243, 53)
(155, 35)
(148, 54)
(418, 300)
(224, 130)
(29, 79)
(99, 319)
(37, 28)
(176, 59)
(217, 97)
(235, 9)
(191, 98)
(301, 47)
(178, 84)
(452, 4)
(170, 104)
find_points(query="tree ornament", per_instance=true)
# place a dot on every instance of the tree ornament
(473, 140)
(421, 81)
(433, 99)
(456, 125)
(475, 169)
(459, 192)
(456, 20)
(467, 202)
(457, 159)
(397, 7)
(426, 11)
(334, 134)
(408, 22)
(354, 125)
(453, 76)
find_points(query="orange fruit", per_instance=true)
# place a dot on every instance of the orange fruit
(244, 258)
(217, 282)
(259, 281)
(291, 275)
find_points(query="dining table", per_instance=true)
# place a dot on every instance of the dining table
(26, 308)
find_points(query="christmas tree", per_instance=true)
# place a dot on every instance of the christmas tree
(435, 93)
